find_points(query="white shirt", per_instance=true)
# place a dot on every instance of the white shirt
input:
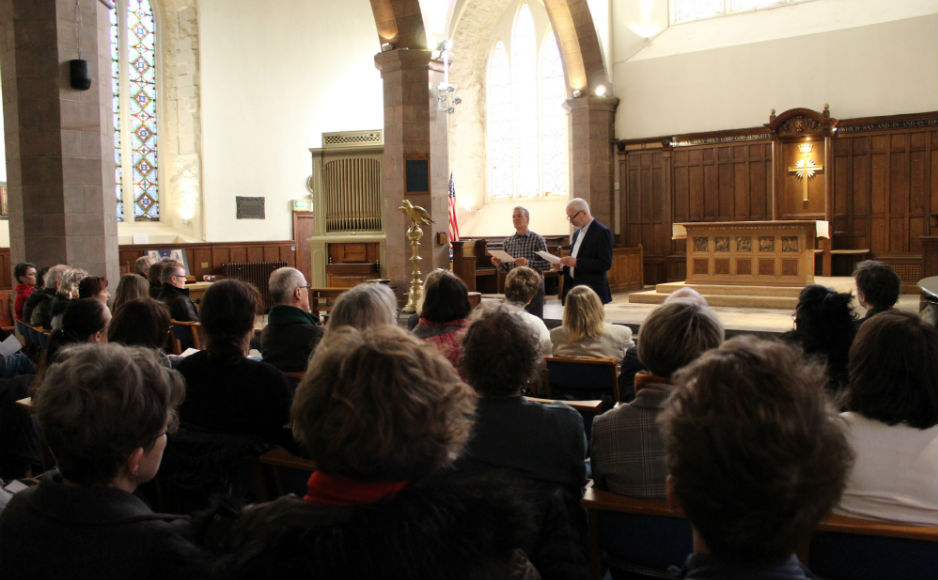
(895, 476)
(540, 329)
(575, 251)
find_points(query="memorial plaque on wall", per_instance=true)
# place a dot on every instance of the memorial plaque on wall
(250, 208)
(417, 175)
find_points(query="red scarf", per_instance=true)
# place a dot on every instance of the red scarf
(338, 490)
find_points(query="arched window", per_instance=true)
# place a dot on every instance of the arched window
(133, 78)
(525, 119)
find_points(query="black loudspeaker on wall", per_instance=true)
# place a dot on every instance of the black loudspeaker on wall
(79, 77)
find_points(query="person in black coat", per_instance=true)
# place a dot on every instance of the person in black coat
(174, 293)
(590, 253)
(292, 333)
(104, 411)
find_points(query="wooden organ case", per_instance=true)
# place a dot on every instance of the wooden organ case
(348, 202)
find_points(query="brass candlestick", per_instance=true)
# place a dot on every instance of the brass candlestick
(417, 215)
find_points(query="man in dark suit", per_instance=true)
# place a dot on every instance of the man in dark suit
(590, 255)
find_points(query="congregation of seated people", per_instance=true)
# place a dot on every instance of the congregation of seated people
(431, 459)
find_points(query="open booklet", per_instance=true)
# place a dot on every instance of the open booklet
(548, 256)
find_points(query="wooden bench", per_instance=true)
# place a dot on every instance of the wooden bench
(644, 537)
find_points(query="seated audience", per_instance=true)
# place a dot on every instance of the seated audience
(84, 320)
(878, 287)
(756, 457)
(66, 294)
(155, 277)
(141, 322)
(380, 503)
(543, 443)
(292, 333)
(627, 454)
(444, 312)
(583, 332)
(104, 413)
(521, 286)
(25, 275)
(94, 287)
(38, 308)
(824, 330)
(539, 449)
(893, 421)
(364, 306)
(173, 292)
(142, 266)
(227, 392)
(130, 287)
(631, 365)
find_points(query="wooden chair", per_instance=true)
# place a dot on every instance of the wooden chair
(644, 538)
(278, 472)
(571, 378)
(588, 410)
(847, 547)
(639, 537)
(186, 334)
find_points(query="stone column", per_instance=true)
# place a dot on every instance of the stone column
(592, 159)
(60, 159)
(406, 136)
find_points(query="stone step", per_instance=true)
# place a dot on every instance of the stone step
(730, 300)
(731, 289)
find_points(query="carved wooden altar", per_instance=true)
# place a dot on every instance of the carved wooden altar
(763, 253)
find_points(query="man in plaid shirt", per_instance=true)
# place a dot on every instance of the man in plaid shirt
(522, 246)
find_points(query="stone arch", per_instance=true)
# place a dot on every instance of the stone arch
(399, 23)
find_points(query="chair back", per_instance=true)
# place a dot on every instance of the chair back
(278, 472)
(642, 538)
(186, 335)
(846, 547)
(587, 409)
(635, 537)
(571, 378)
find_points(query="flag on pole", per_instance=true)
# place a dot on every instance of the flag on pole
(453, 224)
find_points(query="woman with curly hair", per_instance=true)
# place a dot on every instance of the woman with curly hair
(383, 416)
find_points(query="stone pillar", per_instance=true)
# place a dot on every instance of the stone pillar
(60, 159)
(406, 136)
(592, 158)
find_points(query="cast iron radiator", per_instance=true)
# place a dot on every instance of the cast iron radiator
(256, 273)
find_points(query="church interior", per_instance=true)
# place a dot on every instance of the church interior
(744, 149)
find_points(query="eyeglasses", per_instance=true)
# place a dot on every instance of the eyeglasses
(573, 217)
(307, 286)
(179, 275)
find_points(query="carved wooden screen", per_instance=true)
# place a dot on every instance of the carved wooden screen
(352, 194)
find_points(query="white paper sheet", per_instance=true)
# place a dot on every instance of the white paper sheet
(10, 345)
(548, 256)
(502, 255)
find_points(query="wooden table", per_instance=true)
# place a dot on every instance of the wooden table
(767, 253)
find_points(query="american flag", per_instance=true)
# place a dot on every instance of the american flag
(453, 224)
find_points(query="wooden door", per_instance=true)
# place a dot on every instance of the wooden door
(303, 229)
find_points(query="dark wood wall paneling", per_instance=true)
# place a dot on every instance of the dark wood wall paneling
(884, 188)
(211, 254)
(207, 258)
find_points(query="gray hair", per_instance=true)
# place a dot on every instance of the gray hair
(69, 282)
(283, 281)
(524, 209)
(54, 275)
(579, 204)
(366, 305)
(142, 265)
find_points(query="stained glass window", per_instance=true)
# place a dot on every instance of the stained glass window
(553, 125)
(134, 63)
(526, 124)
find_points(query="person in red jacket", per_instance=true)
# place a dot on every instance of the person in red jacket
(25, 274)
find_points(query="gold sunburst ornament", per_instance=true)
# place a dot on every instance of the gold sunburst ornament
(805, 168)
